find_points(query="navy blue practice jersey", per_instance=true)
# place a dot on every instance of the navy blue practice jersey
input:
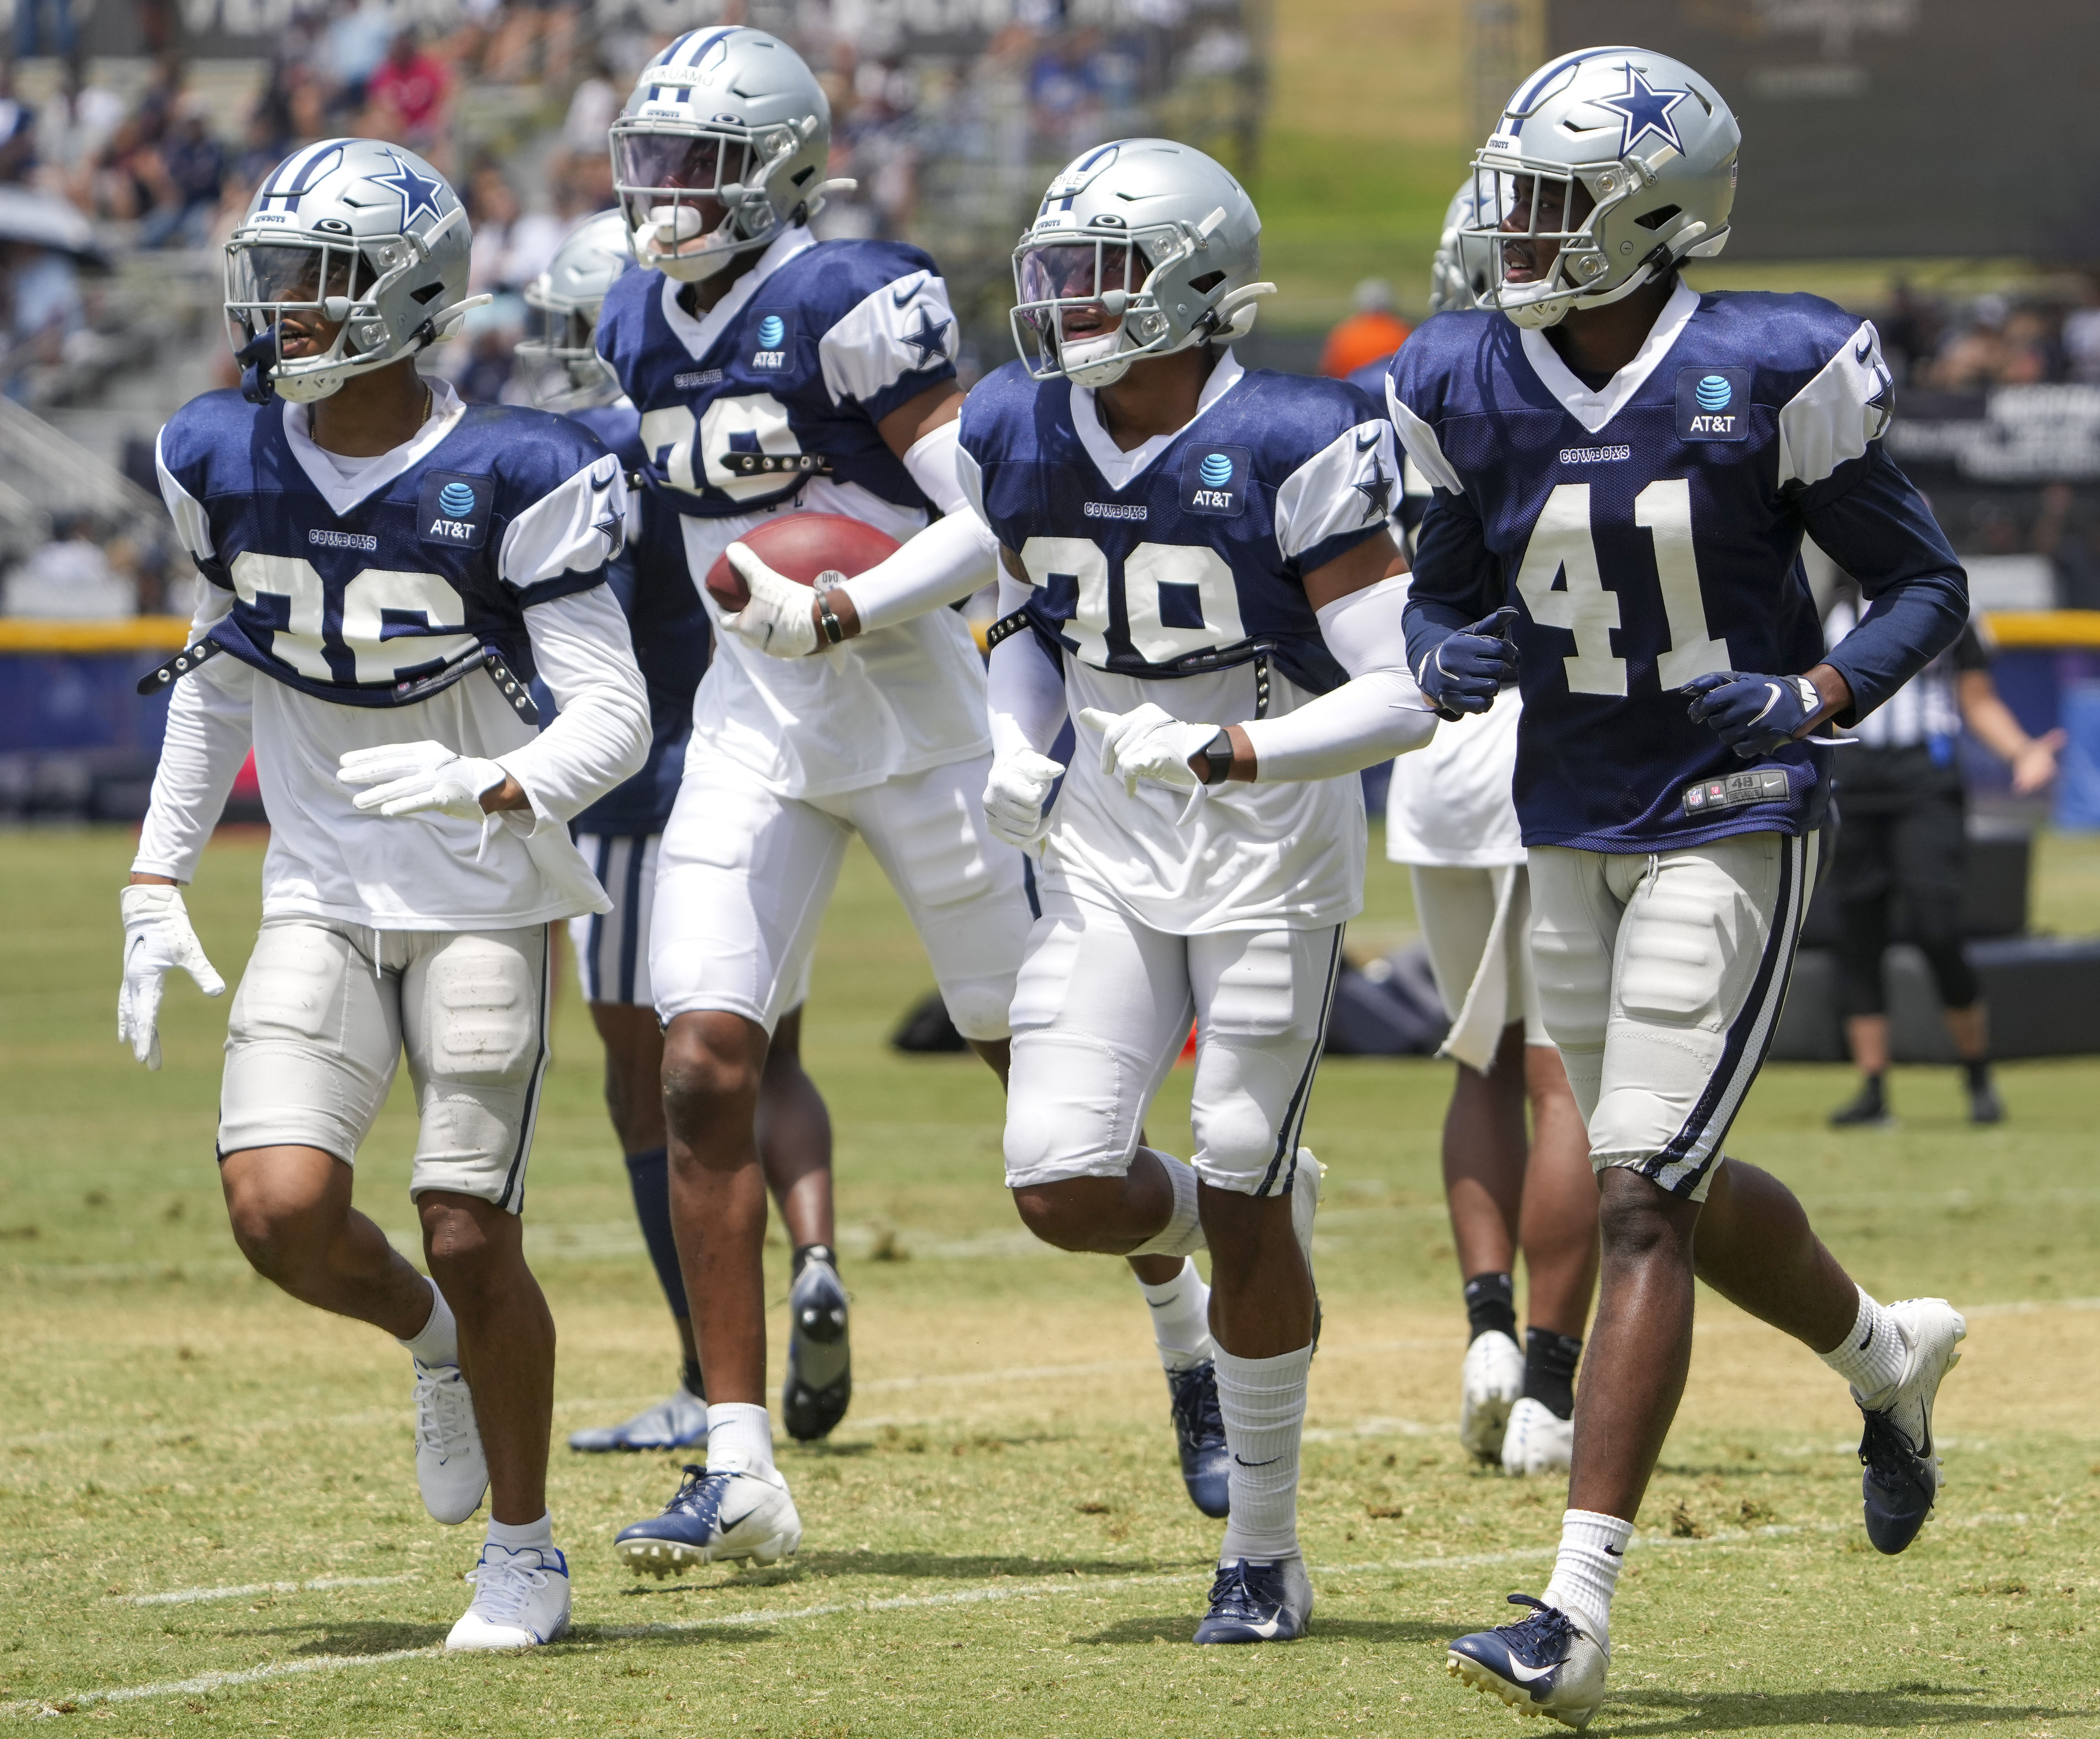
(669, 625)
(1197, 562)
(1649, 530)
(358, 590)
(786, 377)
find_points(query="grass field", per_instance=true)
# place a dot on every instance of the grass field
(208, 1520)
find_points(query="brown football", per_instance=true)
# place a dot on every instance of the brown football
(799, 547)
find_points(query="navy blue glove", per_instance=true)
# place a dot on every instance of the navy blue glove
(1754, 715)
(1466, 672)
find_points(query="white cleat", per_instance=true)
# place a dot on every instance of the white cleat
(451, 1468)
(521, 1599)
(1902, 1463)
(715, 1517)
(1534, 1441)
(1490, 1381)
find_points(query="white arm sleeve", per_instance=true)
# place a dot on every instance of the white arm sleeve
(1026, 691)
(952, 558)
(1377, 713)
(601, 739)
(210, 727)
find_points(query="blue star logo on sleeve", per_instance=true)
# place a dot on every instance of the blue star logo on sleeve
(1377, 493)
(929, 340)
(1643, 109)
(418, 192)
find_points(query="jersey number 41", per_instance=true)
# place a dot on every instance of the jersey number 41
(1562, 544)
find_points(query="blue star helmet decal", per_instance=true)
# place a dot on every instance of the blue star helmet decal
(929, 340)
(1642, 109)
(418, 192)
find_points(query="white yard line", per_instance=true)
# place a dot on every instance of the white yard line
(318, 1584)
(1064, 1586)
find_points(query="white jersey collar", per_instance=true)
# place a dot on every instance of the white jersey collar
(1594, 410)
(698, 336)
(1121, 469)
(323, 469)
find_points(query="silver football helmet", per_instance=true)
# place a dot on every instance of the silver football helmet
(365, 235)
(720, 147)
(566, 297)
(1642, 141)
(1142, 248)
(1461, 272)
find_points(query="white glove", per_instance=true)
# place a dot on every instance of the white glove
(157, 938)
(410, 779)
(777, 621)
(1014, 795)
(1147, 743)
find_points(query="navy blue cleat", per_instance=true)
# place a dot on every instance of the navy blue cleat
(1551, 1663)
(819, 1382)
(714, 1517)
(1256, 1603)
(1199, 1433)
(1903, 1468)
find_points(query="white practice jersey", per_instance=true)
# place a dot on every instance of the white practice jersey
(1451, 802)
(526, 527)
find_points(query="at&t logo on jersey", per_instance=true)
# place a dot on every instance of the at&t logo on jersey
(454, 510)
(1214, 479)
(775, 333)
(1713, 404)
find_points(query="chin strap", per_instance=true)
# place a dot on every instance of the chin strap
(257, 358)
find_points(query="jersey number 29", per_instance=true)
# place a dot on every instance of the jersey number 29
(1173, 599)
(1561, 544)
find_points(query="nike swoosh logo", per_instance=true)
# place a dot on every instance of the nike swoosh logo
(1863, 352)
(1266, 1629)
(1616, 1552)
(1524, 1674)
(911, 290)
(1365, 446)
(1270, 1463)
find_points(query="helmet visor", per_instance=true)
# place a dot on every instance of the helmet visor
(680, 162)
(294, 274)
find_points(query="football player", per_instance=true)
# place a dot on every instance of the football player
(1195, 560)
(775, 375)
(388, 570)
(620, 836)
(1450, 818)
(1623, 471)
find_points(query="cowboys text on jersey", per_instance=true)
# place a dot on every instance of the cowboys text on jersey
(1649, 527)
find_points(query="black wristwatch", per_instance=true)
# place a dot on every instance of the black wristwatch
(834, 630)
(1218, 758)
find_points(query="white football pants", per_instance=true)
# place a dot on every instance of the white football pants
(1661, 977)
(1102, 1013)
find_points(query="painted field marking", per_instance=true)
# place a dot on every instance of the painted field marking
(1064, 1586)
(318, 1584)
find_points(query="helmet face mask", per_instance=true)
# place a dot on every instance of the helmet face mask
(1608, 168)
(719, 150)
(1142, 248)
(321, 286)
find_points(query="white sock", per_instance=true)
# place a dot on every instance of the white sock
(1873, 1357)
(1593, 1547)
(1263, 1403)
(540, 1534)
(437, 1342)
(1181, 1318)
(739, 1437)
(1183, 1234)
